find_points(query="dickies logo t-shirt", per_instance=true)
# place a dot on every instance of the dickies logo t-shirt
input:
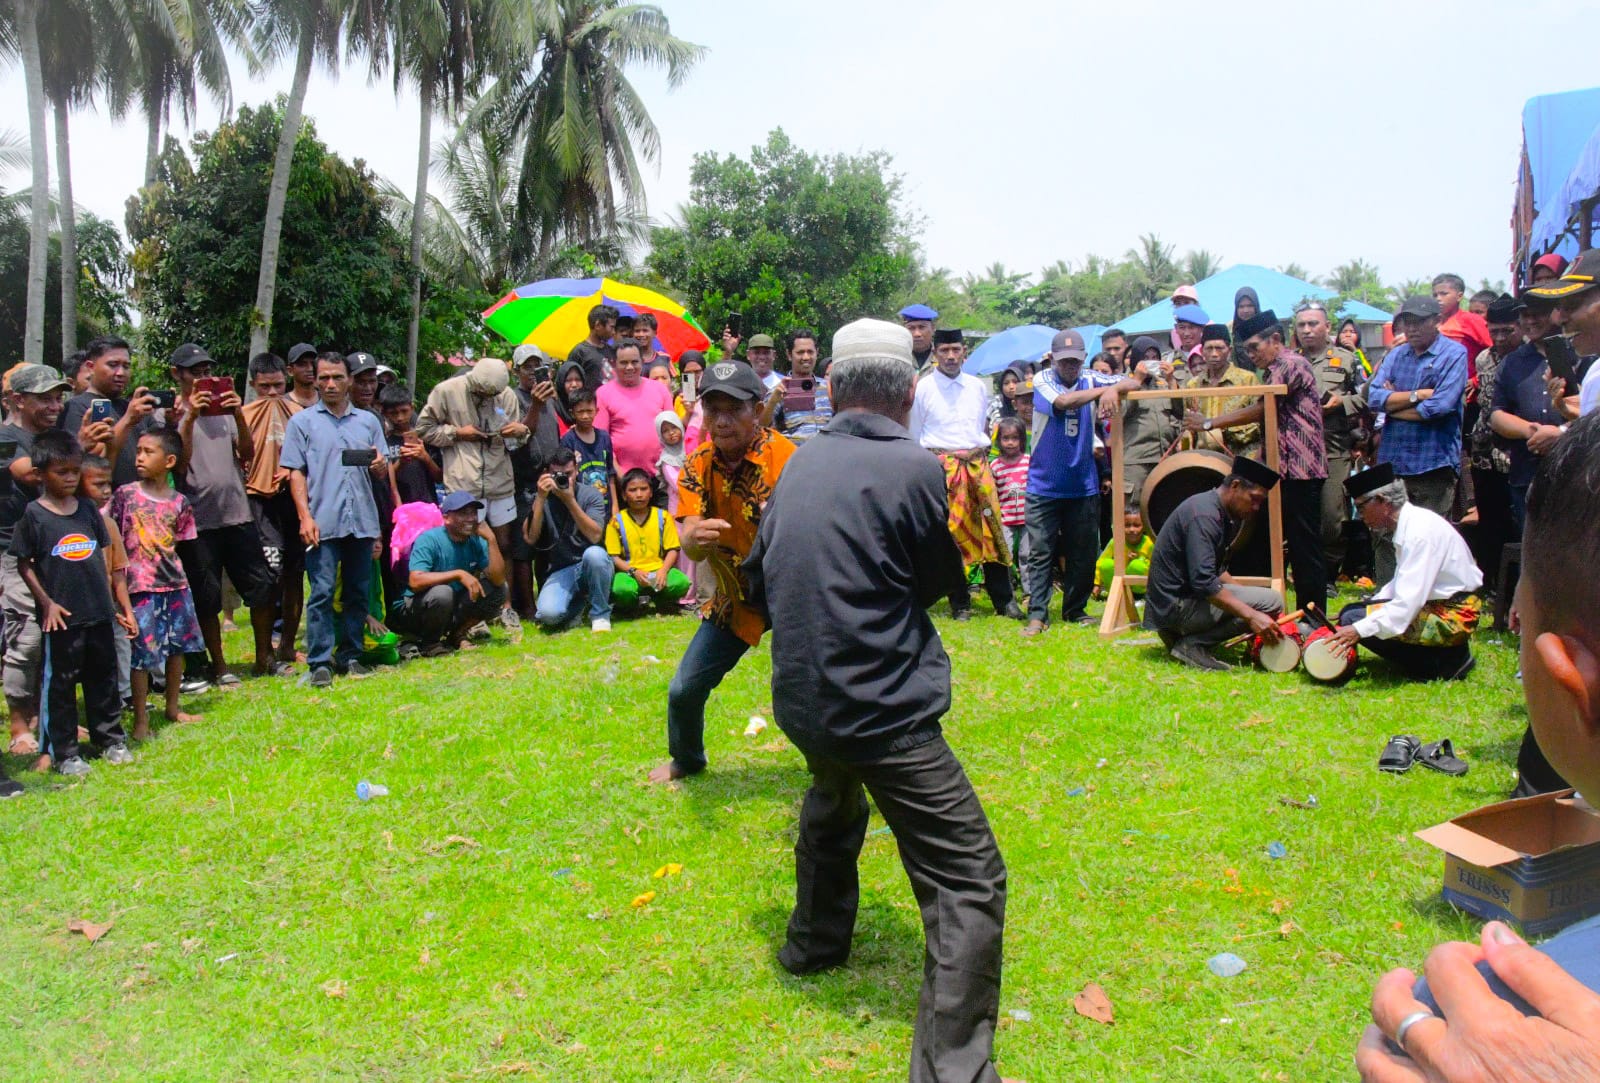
(74, 547)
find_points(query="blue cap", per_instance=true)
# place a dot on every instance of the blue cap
(1190, 314)
(458, 500)
(918, 312)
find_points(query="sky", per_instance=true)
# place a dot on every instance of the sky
(1030, 131)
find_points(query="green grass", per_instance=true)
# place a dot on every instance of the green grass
(477, 922)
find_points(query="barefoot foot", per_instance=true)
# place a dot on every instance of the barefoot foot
(667, 772)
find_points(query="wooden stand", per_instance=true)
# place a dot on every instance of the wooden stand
(1120, 610)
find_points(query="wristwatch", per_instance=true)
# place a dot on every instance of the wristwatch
(1414, 399)
(1207, 425)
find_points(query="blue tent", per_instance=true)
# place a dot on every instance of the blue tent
(1277, 291)
(1561, 148)
(1026, 343)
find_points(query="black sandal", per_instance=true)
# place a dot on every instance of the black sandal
(1439, 756)
(1399, 754)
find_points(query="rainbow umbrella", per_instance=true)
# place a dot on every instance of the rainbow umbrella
(554, 314)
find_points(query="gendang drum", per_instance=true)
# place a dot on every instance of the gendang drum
(1280, 657)
(1327, 661)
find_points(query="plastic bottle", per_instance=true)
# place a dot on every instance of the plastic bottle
(368, 790)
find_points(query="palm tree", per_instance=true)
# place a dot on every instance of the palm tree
(1294, 270)
(1347, 278)
(313, 30)
(1152, 261)
(447, 47)
(583, 124)
(173, 46)
(1410, 287)
(1201, 265)
(19, 33)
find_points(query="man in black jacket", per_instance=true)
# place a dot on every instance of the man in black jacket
(860, 680)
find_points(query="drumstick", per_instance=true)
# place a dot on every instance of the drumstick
(1238, 639)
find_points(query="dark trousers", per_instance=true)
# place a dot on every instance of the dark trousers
(1335, 513)
(1302, 532)
(435, 613)
(956, 873)
(1070, 528)
(1534, 772)
(710, 655)
(1492, 493)
(351, 560)
(84, 654)
(1415, 660)
(996, 582)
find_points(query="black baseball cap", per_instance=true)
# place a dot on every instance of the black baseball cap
(299, 350)
(1419, 307)
(360, 362)
(1067, 344)
(734, 379)
(188, 356)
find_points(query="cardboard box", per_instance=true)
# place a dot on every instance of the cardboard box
(1533, 861)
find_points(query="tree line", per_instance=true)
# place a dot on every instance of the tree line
(542, 81)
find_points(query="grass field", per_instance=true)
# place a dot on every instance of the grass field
(478, 922)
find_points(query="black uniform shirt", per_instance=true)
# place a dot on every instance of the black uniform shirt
(1190, 556)
(852, 549)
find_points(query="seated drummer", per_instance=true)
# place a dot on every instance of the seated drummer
(1190, 599)
(1422, 618)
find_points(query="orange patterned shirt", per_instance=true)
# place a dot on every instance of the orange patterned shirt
(710, 489)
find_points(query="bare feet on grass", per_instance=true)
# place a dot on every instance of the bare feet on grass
(184, 718)
(667, 772)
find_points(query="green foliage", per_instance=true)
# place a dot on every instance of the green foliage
(789, 238)
(103, 280)
(342, 274)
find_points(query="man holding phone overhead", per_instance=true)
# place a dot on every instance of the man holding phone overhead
(217, 451)
(328, 449)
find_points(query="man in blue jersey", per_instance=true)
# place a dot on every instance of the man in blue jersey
(1063, 507)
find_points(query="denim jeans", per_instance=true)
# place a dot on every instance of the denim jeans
(564, 589)
(710, 655)
(1069, 527)
(351, 559)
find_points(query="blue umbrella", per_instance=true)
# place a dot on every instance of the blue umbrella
(998, 352)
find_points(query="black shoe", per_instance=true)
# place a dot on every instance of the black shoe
(317, 677)
(1192, 654)
(961, 614)
(1013, 611)
(10, 788)
(787, 958)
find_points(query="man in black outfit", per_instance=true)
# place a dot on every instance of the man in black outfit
(859, 683)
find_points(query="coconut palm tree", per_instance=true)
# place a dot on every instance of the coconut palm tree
(1201, 265)
(19, 35)
(447, 48)
(583, 125)
(1153, 264)
(310, 31)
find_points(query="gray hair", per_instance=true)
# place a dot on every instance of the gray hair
(1392, 494)
(879, 384)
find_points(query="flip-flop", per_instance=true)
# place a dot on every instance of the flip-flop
(228, 681)
(23, 744)
(1399, 754)
(1439, 756)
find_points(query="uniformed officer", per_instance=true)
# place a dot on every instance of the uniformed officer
(1338, 378)
(919, 320)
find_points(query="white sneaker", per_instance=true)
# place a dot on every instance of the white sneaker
(600, 624)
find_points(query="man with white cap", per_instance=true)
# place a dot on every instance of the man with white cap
(859, 683)
(472, 417)
(1063, 481)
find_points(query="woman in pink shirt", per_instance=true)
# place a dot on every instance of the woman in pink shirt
(628, 408)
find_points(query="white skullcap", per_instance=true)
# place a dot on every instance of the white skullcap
(872, 338)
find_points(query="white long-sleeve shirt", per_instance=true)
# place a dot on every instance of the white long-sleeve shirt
(948, 413)
(1432, 564)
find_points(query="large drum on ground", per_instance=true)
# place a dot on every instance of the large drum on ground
(1326, 660)
(1185, 473)
(1280, 657)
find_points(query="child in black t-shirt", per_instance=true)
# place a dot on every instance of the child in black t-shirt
(417, 467)
(62, 548)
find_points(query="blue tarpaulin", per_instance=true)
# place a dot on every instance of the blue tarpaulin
(1278, 291)
(1561, 137)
